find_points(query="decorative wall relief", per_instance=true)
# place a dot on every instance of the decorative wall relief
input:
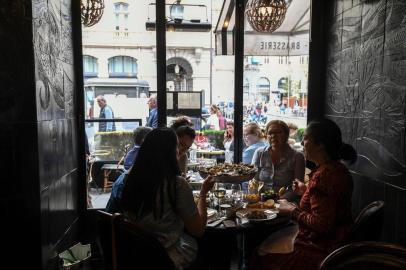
(48, 49)
(366, 85)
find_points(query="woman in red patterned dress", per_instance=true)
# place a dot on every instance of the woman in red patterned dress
(324, 215)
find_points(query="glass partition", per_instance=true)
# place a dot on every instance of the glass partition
(118, 79)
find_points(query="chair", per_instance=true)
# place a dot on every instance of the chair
(107, 170)
(368, 224)
(127, 246)
(105, 227)
(136, 248)
(366, 255)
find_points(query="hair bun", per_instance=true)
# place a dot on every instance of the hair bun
(348, 153)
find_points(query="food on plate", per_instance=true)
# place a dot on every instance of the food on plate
(269, 203)
(229, 170)
(252, 197)
(282, 191)
(262, 205)
(253, 184)
(268, 194)
(256, 214)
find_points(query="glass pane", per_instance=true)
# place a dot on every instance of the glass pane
(198, 79)
(124, 94)
(275, 73)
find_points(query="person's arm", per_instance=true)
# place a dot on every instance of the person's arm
(108, 115)
(323, 204)
(196, 224)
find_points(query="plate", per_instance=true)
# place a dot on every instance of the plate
(211, 213)
(229, 178)
(249, 214)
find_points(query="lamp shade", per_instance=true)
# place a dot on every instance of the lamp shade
(176, 11)
(91, 11)
(265, 16)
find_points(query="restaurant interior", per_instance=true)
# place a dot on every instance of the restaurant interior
(357, 78)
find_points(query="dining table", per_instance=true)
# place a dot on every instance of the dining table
(234, 239)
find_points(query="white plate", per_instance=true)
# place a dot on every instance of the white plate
(211, 213)
(244, 214)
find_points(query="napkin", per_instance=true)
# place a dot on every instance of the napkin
(281, 241)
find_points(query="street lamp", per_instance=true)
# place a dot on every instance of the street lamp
(176, 12)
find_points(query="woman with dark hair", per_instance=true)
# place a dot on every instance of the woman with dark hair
(156, 198)
(324, 215)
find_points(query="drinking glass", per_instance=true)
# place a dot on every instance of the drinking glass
(266, 174)
(219, 192)
(192, 155)
(236, 193)
(229, 157)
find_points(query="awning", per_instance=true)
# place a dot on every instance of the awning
(291, 38)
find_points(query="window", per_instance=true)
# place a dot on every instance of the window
(263, 89)
(246, 89)
(263, 83)
(89, 66)
(123, 66)
(121, 16)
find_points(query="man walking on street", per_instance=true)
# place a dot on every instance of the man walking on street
(105, 113)
(153, 113)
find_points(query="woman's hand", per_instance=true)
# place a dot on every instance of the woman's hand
(286, 208)
(207, 185)
(299, 187)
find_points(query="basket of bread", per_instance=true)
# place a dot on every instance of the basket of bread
(229, 173)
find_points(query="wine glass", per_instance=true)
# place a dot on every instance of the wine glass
(219, 192)
(266, 175)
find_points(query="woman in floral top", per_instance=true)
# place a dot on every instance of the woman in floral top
(324, 215)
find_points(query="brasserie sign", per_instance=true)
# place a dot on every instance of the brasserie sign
(276, 45)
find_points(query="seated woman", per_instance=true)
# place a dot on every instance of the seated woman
(279, 164)
(253, 140)
(158, 199)
(113, 204)
(324, 215)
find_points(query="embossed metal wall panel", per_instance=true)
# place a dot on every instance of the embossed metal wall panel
(366, 96)
(38, 135)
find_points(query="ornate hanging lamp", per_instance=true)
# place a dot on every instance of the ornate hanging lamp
(266, 16)
(91, 11)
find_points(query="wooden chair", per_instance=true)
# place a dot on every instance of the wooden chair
(366, 256)
(107, 171)
(127, 246)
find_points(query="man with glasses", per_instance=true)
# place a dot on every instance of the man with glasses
(105, 113)
(186, 136)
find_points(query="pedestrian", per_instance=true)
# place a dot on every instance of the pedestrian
(153, 113)
(106, 112)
